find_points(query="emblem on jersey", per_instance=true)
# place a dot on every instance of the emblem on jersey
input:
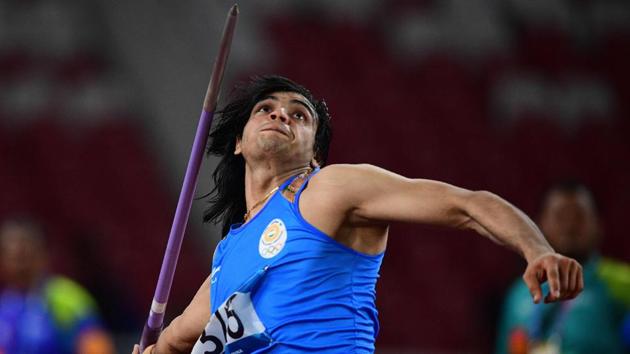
(273, 239)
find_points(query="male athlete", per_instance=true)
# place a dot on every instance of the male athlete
(296, 269)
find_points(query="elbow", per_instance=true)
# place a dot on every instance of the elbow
(466, 207)
(482, 197)
(483, 194)
(479, 206)
(481, 202)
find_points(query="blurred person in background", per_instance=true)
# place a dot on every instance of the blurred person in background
(591, 323)
(39, 312)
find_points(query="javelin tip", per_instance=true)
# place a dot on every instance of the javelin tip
(234, 10)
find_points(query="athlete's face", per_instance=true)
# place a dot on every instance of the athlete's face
(282, 124)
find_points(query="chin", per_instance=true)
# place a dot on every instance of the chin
(272, 145)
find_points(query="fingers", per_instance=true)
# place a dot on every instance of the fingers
(553, 277)
(149, 349)
(563, 274)
(571, 275)
(136, 349)
(581, 280)
(531, 280)
(574, 279)
(578, 277)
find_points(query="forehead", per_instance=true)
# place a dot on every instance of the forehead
(286, 96)
(292, 98)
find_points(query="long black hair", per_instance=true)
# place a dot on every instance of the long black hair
(227, 198)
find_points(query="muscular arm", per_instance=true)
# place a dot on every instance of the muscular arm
(375, 194)
(182, 333)
(372, 194)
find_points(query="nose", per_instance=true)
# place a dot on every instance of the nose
(280, 113)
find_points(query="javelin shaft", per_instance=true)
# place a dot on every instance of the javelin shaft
(155, 320)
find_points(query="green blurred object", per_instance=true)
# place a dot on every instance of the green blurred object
(616, 275)
(68, 301)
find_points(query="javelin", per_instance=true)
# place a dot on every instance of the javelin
(154, 323)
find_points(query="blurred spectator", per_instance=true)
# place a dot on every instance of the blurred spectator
(591, 323)
(39, 312)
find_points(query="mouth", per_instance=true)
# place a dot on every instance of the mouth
(277, 130)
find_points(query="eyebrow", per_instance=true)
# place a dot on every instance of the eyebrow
(306, 105)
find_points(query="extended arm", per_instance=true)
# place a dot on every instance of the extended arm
(375, 194)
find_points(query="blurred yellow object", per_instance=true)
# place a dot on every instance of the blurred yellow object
(616, 275)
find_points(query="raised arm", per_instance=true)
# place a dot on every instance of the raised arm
(375, 194)
(182, 333)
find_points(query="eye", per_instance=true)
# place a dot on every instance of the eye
(264, 109)
(299, 115)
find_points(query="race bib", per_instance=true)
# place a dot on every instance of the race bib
(235, 327)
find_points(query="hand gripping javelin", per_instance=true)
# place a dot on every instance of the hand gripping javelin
(154, 323)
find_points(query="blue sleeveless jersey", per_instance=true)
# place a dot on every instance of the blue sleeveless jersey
(312, 294)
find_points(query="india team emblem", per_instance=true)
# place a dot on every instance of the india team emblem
(273, 239)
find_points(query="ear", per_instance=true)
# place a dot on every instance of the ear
(237, 148)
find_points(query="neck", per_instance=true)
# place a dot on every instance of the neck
(261, 178)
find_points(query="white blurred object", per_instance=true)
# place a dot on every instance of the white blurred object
(519, 93)
(474, 27)
(583, 97)
(416, 33)
(568, 102)
(54, 28)
(93, 101)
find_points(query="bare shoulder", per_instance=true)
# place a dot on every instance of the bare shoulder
(339, 175)
(342, 168)
(334, 195)
(355, 180)
(348, 186)
(335, 187)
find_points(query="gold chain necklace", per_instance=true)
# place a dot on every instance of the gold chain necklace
(289, 187)
(246, 216)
